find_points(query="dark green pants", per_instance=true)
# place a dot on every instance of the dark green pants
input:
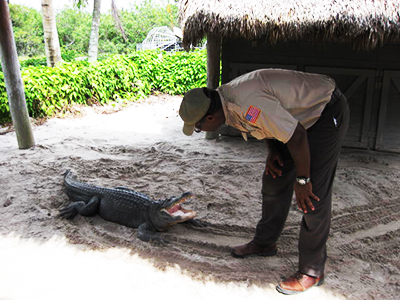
(325, 139)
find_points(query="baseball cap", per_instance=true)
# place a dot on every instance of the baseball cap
(194, 106)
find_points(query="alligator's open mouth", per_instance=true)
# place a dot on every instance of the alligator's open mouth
(178, 212)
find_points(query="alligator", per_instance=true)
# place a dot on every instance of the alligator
(126, 207)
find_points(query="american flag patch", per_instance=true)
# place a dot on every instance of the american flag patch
(252, 114)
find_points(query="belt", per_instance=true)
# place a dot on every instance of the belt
(336, 95)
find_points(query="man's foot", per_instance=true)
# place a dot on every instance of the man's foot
(298, 283)
(252, 249)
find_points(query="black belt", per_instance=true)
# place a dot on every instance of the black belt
(336, 95)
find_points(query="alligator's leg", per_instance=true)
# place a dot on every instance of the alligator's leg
(81, 208)
(147, 233)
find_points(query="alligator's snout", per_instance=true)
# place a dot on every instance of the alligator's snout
(176, 211)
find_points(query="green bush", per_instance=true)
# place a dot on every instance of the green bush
(4, 108)
(182, 71)
(130, 77)
(33, 61)
(48, 90)
(172, 72)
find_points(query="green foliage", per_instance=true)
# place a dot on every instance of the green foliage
(73, 27)
(34, 61)
(131, 76)
(181, 71)
(4, 108)
(49, 90)
(120, 80)
(28, 30)
(137, 22)
(144, 17)
(67, 56)
(172, 72)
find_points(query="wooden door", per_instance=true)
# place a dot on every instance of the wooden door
(388, 132)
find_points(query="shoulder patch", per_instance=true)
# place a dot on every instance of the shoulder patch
(252, 114)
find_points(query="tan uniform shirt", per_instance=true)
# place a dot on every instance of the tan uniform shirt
(269, 103)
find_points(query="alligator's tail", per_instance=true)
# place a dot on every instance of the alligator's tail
(76, 190)
(69, 178)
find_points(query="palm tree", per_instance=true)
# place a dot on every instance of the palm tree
(94, 33)
(52, 43)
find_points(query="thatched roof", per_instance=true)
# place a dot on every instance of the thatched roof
(364, 23)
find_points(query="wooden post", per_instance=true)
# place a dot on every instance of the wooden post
(13, 80)
(213, 68)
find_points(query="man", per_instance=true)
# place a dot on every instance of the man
(304, 118)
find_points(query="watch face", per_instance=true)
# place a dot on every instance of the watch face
(302, 180)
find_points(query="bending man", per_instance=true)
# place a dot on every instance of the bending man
(303, 118)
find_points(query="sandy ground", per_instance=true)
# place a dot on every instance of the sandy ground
(43, 256)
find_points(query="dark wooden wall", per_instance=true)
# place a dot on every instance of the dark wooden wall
(370, 80)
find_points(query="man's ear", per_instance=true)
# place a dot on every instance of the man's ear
(210, 118)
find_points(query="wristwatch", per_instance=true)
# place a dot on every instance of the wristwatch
(302, 180)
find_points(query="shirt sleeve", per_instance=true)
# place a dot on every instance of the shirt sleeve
(270, 120)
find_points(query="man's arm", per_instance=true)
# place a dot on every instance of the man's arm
(299, 149)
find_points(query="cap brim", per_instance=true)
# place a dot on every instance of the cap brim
(188, 129)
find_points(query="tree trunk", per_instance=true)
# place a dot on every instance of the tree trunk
(94, 34)
(13, 80)
(51, 41)
(213, 68)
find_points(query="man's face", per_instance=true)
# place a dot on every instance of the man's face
(209, 123)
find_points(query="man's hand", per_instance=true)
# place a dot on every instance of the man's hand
(274, 160)
(304, 195)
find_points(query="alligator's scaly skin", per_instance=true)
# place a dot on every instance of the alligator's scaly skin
(124, 206)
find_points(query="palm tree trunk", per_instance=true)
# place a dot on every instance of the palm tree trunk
(94, 34)
(13, 80)
(52, 43)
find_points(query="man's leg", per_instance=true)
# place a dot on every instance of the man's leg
(325, 140)
(277, 197)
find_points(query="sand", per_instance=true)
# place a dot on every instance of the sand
(43, 256)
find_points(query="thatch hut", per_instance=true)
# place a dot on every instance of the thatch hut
(357, 42)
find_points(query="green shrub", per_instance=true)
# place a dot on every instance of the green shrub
(172, 72)
(4, 108)
(48, 90)
(130, 77)
(182, 71)
(33, 61)
(119, 79)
